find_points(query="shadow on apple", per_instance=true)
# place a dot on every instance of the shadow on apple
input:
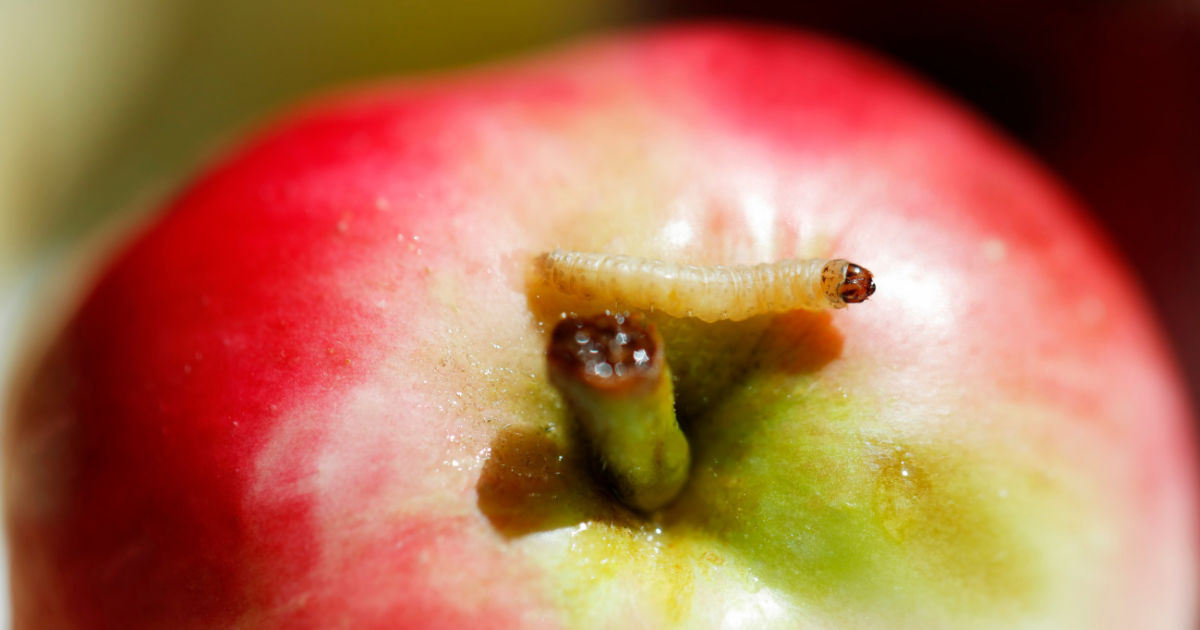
(540, 479)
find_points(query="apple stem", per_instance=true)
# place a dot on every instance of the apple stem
(612, 372)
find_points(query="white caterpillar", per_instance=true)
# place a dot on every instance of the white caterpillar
(708, 293)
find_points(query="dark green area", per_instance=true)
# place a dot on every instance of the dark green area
(806, 484)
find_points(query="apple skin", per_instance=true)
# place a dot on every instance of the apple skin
(313, 394)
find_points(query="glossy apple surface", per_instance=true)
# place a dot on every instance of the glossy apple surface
(314, 394)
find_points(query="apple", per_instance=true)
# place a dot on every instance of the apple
(314, 393)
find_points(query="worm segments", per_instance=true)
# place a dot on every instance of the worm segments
(709, 293)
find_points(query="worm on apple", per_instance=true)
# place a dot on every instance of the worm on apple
(709, 293)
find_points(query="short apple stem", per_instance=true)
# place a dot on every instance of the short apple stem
(612, 371)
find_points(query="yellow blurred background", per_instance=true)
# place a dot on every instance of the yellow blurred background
(106, 104)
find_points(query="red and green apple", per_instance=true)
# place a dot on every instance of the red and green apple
(314, 393)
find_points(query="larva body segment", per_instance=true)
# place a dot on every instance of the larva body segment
(709, 293)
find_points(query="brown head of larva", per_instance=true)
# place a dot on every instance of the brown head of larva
(858, 285)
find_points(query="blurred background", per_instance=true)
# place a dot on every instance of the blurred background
(105, 105)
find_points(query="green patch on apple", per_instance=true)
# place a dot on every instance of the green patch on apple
(803, 483)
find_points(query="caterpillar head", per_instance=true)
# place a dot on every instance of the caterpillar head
(857, 285)
(843, 282)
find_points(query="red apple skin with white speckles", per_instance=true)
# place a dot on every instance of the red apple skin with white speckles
(277, 408)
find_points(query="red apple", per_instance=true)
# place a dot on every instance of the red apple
(314, 394)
